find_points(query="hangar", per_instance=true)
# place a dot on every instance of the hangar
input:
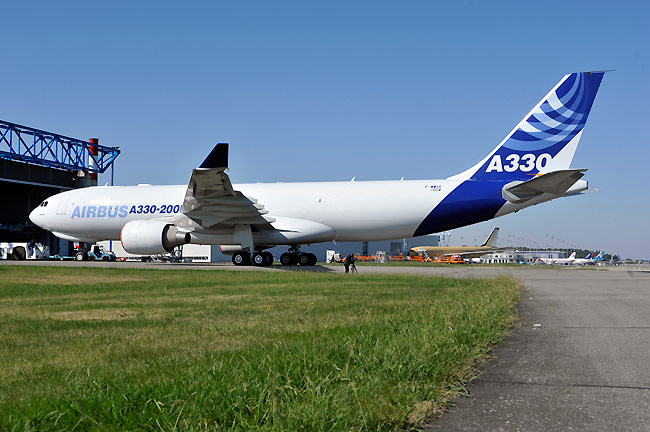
(35, 164)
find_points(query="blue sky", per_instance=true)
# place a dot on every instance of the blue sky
(315, 92)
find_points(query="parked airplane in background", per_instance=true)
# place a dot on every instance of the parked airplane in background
(572, 260)
(465, 252)
(530, 166)
(569, 260)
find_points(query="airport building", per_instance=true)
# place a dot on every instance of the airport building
(34, 165)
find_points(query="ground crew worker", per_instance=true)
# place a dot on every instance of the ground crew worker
(349, 261)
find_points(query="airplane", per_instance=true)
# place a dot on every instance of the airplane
(572, 260)
(569, 260)
(531, 165)
(465, 252)
(588, 260)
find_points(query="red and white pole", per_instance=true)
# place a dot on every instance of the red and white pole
(94, 142)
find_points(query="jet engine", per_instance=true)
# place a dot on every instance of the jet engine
(142, 237)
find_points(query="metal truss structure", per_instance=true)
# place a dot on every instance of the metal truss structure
(26, 144)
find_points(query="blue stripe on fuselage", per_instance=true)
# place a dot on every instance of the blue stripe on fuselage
(472, 201)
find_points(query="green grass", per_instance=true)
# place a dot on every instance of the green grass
(130, 349)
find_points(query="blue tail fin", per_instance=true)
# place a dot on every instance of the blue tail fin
(546, 138)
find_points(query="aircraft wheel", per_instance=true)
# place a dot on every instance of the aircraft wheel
(241, 258)
(80, 256)
(259, 259)
(312, 259)
(288, 259)
(269, 258)
(19, 253)
(304, 259)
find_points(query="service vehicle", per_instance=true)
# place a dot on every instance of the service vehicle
(20, 251)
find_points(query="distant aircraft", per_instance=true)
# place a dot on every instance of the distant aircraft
(569, 260)
(588, 260)
(465, 252)
(530, 166)
(572, 260)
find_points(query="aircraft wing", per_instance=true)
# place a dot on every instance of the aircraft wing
(473, 254)
(555, 182)
(210, 199)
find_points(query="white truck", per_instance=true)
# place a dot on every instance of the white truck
(19, 251)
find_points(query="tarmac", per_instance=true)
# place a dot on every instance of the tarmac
(579, 358)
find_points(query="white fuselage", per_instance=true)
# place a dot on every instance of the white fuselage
(357, 211)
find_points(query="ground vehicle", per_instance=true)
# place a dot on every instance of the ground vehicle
(96, 253)
(21, 251)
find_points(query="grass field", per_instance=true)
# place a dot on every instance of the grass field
(130, 349)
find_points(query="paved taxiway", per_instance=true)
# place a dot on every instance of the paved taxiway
(579, 360)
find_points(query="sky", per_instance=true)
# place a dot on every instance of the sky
(327, 91)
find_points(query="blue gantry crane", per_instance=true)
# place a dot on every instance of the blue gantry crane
(27, 144)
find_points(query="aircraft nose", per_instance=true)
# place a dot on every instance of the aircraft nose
(35, 217)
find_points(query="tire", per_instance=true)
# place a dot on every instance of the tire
(312, 259)
(304, 259)
(105, 258)
(19, 253)
(80, 256)
(259, 259)
(288, 259)
(241, 259)
(269, 259)
(91, 257)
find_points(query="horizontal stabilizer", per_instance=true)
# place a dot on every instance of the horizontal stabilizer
(555, 182)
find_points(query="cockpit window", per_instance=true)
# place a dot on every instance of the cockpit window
(43, 204)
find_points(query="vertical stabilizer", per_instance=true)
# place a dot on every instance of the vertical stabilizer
(547, 137)
(492, 239)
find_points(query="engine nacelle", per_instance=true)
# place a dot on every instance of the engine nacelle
(142, 237)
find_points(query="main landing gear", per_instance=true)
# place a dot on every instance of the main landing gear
(294, 256)
(265, 259)
(260, 259)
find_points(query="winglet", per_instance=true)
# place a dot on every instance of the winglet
(218, 157)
